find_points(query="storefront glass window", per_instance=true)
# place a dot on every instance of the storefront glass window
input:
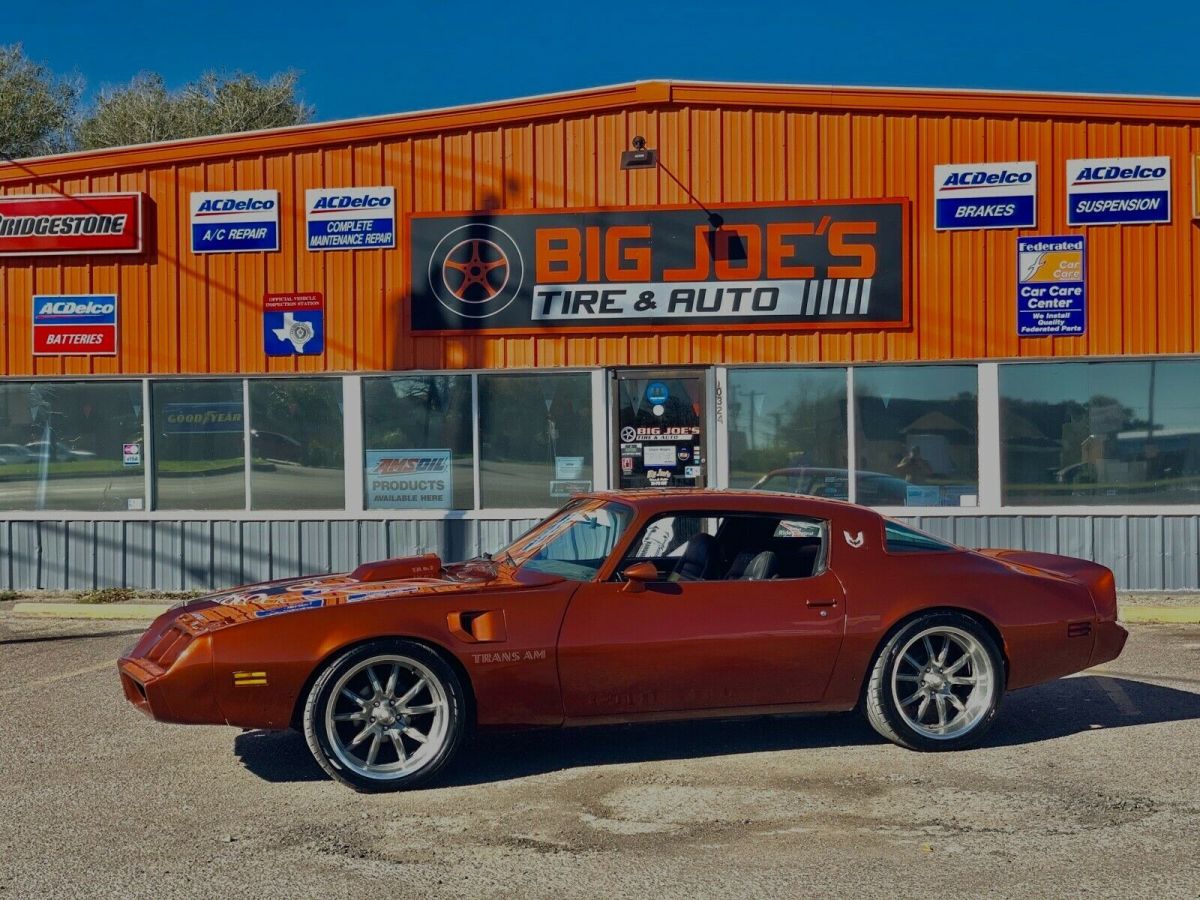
(535, 439)
(199, 446)
(296, 448)
(1100, 433)
(787, 430)
(418, 442)
(71, 445)
(917, 435)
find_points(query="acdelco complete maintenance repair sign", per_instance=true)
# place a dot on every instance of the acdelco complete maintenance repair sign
(843, 263)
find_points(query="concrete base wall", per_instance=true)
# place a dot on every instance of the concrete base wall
(1152, 552)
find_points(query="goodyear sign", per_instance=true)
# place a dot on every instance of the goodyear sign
(351, 218)
(1133, 190)
(1051, 286)
(234, 221)
(409, 479)
(203, 418)
(985, 195)
(841, 264)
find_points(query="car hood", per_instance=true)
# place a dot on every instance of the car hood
(408, 577)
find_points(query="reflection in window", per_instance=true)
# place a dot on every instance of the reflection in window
(535, 439)
(199, 460)
(787, 430)
(71, 445)
(917, 435)
(296, 444)
(1099, 433)
(417, 437)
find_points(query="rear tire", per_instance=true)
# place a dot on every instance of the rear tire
(936, 684)
(385, 716)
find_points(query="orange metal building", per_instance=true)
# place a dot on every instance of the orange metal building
(719, 146)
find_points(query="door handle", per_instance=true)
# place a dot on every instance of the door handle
(831, 601)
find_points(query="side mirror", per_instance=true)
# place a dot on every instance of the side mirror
(637, 575)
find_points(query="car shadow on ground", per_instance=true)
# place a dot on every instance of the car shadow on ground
(1057, 709)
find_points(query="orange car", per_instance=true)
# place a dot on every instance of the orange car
(632, 606)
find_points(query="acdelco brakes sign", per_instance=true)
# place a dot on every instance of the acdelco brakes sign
(53, 224)
(74, 324)
(842, 263)
(985, 195)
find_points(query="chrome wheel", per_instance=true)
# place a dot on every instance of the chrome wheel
(943, 683)
(387, 717)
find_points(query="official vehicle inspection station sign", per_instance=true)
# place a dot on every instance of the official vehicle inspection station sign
(74, 324)
(842, 263)
(294, 324)
(362, 218)
(985, 195)
(234, 221)
(1051, 286)
(58, 225)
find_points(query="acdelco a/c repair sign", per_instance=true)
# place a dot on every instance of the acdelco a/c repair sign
(842, 264)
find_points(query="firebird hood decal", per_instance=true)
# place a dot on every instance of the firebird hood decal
(275, 598)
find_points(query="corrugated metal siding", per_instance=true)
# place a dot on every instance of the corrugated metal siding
(186, 314)
(1145, 552)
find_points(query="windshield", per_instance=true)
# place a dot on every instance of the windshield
(574, 542)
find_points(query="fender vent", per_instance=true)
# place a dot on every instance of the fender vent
(1079, 629)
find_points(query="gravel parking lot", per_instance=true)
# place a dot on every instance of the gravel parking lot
(1088, 786)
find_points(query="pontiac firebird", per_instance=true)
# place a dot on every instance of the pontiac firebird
(632, 606)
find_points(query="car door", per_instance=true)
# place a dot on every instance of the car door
(702, 644)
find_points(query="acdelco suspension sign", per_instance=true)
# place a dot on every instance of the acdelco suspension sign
(53, 224)
(842, 264)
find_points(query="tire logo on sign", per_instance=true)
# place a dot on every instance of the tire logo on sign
(476, 271)
(628, 434)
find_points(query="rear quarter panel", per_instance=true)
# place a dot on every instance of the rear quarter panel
(514, 680)
(1029, 610)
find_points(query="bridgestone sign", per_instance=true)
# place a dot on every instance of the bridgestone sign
(58, 225)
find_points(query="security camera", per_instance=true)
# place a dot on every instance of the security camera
(638, 142)
(639, 157)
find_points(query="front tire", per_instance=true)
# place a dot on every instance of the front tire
(936, 684)
(385, 716)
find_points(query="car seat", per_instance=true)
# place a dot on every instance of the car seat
(697, 558)
(762, 568)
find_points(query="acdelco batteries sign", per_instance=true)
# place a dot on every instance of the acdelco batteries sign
(842, 264)
(74, 324)
(351, 218)
(53, 224)
(1132, 190)
(985, 195)
(235, 221)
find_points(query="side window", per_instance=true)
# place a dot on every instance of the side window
(730, 547)
(901, 539)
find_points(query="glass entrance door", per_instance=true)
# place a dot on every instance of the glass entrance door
(659, 429)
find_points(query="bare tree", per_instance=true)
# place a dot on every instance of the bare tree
(37, 108)
(145, 110)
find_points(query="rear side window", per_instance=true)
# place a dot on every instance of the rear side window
(901, 539)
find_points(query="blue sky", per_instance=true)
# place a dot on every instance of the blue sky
(367, 59)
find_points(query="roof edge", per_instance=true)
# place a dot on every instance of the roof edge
(948, 101)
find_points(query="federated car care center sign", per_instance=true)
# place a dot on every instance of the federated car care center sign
(985, 195)
(234, 221)
(360, 218)
(54, 224)
(843, 263)
(409, 479)
(74, 324)
(1051, 286)
(1133, 190)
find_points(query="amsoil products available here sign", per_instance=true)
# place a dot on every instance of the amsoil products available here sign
(840, 263)
(294, 324)
(1051, 286)
(235, 221)
(409, 479)
(50, 224)
(351, 218)
(1130, 190)
(985, 195)
(74, 324)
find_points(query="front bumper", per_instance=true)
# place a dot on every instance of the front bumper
(169, 677)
